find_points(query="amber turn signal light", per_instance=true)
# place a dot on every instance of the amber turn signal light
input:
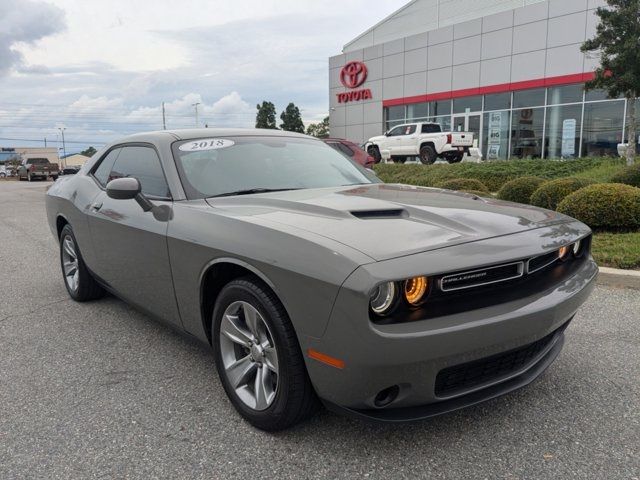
(415, 289)
(564, 252)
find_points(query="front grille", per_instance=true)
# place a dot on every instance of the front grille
(464, 377)
(485, 276)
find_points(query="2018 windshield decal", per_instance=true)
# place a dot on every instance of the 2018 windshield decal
(206, 144)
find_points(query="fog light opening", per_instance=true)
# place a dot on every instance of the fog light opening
(386, 396)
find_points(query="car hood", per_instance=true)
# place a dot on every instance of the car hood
(385, 221)
(377, 139)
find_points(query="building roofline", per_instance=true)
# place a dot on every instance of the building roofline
(370, 29)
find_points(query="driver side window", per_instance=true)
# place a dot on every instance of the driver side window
(397, 131)
(142, 163)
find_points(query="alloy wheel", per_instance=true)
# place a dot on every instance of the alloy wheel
(70, 263)
(249, 355)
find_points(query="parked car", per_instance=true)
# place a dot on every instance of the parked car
(70, 170)
(352, 151)
(424, 140)
(311, 279)
(37, 168)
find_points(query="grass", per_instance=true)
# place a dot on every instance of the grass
(617, 250)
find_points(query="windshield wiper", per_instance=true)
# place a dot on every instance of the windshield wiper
(249, 191)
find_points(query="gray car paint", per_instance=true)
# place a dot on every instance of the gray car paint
(322, 262)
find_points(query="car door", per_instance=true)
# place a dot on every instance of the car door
(407, 140)
(392, 142)
(131, 245)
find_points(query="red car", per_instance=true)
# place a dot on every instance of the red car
(351, 150)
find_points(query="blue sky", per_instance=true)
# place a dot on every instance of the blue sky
(102, 68)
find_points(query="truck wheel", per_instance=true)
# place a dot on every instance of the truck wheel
(375, 153)
(258, 357)
(77, 278)
(457, 158)
(428, 154)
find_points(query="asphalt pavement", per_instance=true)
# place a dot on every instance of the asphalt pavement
(99, 390)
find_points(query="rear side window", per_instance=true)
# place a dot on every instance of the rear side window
(345, 149)
(142, 163)
(101, 173)
(431, 128)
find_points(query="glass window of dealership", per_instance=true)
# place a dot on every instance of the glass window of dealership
(560, 121)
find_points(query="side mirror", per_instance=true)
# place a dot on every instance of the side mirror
(128, 188)
(123, 188)
(386, 134)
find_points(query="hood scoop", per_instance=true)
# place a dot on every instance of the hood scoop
(380, 214)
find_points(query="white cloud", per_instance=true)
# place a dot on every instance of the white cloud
(23, 23)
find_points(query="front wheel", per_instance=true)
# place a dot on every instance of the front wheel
(81, 286)
(258, 357)
(375, 153)
(428, 154)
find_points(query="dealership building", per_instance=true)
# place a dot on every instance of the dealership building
(510, 71)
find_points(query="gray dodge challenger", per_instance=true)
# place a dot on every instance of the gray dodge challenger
(313, 281)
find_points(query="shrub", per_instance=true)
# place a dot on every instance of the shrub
(550, 194)
(606, 206)
(464, 184)
(629, 176)
(520, 189)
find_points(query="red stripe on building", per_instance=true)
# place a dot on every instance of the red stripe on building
(501, 88)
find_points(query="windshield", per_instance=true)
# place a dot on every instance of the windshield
(234, 165)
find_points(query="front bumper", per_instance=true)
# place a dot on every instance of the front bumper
(410, 355)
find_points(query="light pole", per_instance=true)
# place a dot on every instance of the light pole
(64, 147)
(196, 107)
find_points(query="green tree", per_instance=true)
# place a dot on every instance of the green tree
(291, 119)
(616, 43)
(320, 130)
(89, 152)
(266, 116)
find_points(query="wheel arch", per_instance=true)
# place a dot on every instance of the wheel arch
(61, 221)
(218, 273)
(428, 143)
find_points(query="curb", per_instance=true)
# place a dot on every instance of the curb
(613, 277)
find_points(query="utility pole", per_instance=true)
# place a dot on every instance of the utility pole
(64, 147)
(45, 142)
(196, 107)
(164, 120)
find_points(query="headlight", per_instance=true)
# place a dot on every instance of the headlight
(564, 252)
(414, 290)
(383, 298)
(576, 248)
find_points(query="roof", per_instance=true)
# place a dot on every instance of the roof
(193, 133)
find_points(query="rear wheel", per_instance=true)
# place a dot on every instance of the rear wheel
(258, 357)
(457, 158)
(77, 278)
(428, 154)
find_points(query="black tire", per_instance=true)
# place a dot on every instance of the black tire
(295, 399)
(428, 154)
(457, 158)
(374, 151)
(87, 288)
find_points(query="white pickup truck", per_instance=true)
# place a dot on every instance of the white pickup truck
(424, 140)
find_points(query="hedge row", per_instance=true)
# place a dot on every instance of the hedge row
(605, 206)
(492, 174)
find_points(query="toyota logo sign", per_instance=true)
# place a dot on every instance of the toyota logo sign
(353, 74)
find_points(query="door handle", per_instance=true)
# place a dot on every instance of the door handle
(96, 206)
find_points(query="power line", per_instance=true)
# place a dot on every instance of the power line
(40, 140)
